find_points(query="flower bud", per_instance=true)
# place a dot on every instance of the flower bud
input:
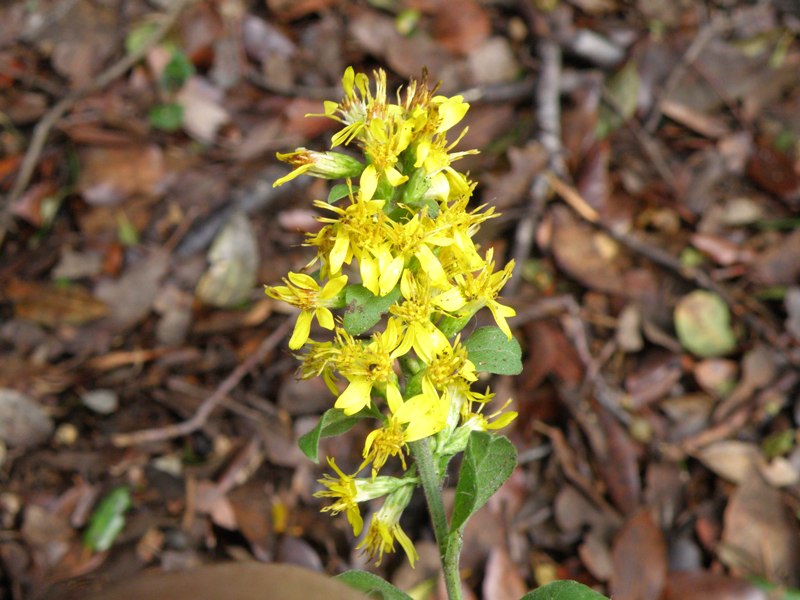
(326, 165)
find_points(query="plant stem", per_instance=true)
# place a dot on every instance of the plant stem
(449, 545)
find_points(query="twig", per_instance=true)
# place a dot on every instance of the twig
(199, 418)
(548, 118)
(48, 121)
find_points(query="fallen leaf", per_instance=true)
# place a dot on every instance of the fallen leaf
(774, 172)
(502, 580)
(203, 114)
(131, 296)
(110, 175)
(233, 264)
(460, 25)
(639, 556)
(581, 252)
(730, 459)
(702, 322)
(760, 535)
(702, 585)
(780, 263)
(54, 305)
(22, 422)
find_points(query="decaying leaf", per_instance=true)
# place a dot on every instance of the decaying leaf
(233, 264)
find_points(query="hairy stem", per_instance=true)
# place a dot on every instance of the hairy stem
(449, 546)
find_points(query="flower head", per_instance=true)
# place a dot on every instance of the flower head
(313, 301)
(348, 491)
(384, 528)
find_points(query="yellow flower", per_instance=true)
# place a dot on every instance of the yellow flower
(384, 528)
(348, 491)
(451, 367)
(367, 366)
(345, 490)
(415, 313)
(414, 419)
(313, 301)
(475, 419)
(357, 227)
(475, 291)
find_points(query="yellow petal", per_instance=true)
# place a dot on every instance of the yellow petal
(333, 287)
(298, 171)
(324, 317)
(339, 252)
(302, 328)
(391, 275)
(303, 281)
(368, 183)
(355, 396)
(395, 177)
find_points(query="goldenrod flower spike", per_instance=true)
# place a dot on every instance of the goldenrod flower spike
(403, 233)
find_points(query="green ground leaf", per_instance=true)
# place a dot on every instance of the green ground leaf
(564, 590)
(107, 520)
(332, 422)
(166, 117)
(373, 585)
(622, 90)
(177, 71)
(364, 309)
(703, 324)
(489, 460)
(491, 351)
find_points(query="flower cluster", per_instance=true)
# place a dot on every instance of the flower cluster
(399, 233)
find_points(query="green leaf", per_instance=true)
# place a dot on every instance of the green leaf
(703, 324)
(166, 117)
(489, 460)
(372, 584)
(333, 422)
(564, 590)
(177, 71)
(107, 520)
(139, 35)
(364, 309)
(339, 191)
(491, 351)
(622, 92)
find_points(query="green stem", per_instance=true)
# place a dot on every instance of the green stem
(449, 545)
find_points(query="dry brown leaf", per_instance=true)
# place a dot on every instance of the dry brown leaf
(242, 580)
(639, 556)
(703, 585)
(23, 423)
(110, 175)
(203, 114)
(502, 580)
(779, 264)
(131, 296)
(582, 253)
(460, 25)
(760, 535)
(730, 459)
(53, 305)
